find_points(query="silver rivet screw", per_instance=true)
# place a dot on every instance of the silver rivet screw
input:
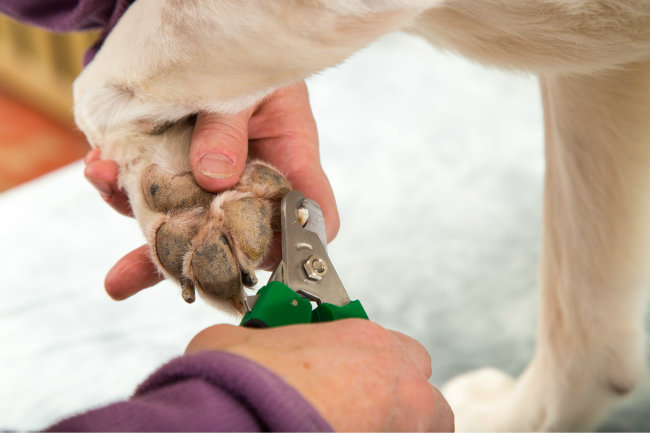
(316, 268)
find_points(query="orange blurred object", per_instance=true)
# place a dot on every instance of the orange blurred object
(37, 132)
(32, 144)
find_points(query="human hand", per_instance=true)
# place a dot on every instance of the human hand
(358, 375)
(280, 130)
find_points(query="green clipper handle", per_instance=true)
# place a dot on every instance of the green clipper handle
(278, 305)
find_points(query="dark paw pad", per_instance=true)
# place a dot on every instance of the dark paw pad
(174, 238)
(214, 267)
(249, 225)
(165, 192)
(263, 181)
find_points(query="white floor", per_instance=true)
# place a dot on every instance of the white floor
(437, 164)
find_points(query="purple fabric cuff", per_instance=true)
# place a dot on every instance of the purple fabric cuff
(208, 391)
(120, 7)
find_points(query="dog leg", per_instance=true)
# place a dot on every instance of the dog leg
(166, 60)
(542, 36)
(595, 256)
(592, 57)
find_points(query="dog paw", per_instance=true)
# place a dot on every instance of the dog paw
(479, 400)
(212, 243)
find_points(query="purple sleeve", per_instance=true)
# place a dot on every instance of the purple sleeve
(207, 391)
(68, 15)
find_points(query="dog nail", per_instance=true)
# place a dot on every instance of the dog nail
(249, 279)
(188, 293)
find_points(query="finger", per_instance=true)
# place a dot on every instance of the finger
(102, 174)
(314, 184)
(443, 416)
(217, 337)
(416, 352)
(92, 155)
(305, 174)
(132, 273)
(290, 143)
(218, 150)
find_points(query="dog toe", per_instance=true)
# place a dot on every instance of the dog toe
(249, 224)
(165, 192)
(212, 265)
(173, 239)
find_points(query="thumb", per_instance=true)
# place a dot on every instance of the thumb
(218, 150)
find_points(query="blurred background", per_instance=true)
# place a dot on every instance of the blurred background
(37, 132)
(437, 165)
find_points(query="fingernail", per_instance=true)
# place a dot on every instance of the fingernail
(102, 186)
(216, 166)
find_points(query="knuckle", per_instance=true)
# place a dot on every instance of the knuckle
(226, 132)
(367, 330)
(422, 401)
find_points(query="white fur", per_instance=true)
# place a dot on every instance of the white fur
(166, 60)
